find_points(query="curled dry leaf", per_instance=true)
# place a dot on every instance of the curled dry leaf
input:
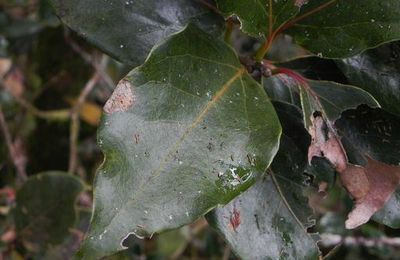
(370, 185)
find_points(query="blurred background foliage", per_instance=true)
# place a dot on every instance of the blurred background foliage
(53, 85)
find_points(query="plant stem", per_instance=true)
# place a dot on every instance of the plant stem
(17, 158)
(229, 29)
(75, 124)
(271, 37)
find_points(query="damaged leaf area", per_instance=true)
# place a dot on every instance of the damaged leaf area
(183, 140)
(274, 213)
(370, 183)
(371, 139)
(121, 99)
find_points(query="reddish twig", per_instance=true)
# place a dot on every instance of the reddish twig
(271, 37)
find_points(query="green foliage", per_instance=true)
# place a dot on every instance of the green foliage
(204, 125)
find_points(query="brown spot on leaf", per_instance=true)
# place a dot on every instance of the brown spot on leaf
(122, 98)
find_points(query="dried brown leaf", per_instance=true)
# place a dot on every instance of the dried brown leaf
(371, 185)
(382, 181)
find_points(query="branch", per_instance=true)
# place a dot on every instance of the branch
(17, 157)
(88, 58)
(328, 240)
(75, 124)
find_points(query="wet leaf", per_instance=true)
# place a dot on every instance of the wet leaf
(127, 29)
(45, 209)
(375, 133)
(188, 130)
(377, 71)
(269, 220)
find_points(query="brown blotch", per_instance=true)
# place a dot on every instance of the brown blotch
(121, 99)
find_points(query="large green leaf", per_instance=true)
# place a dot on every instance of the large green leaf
(333, 29)
(378, 72)
(255, 15)
(376, 133)
(128, 29)
(45, 209)
(186, 131)
(347, 27)
(269, 220)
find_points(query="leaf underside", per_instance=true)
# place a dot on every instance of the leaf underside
(188, 130)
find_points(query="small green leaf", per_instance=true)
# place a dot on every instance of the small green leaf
(270, 219)
(188, 130)
(376, 133)
(45, 209)
(127, 29)
(331, 99)
(377, 71)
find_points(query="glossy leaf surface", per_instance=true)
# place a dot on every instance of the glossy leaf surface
(188, 130)
(344, 28)
(126, 29)
(269, 220)
(332, 29)
(378, 72)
